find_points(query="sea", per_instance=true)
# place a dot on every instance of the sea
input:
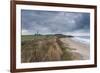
(82, 39)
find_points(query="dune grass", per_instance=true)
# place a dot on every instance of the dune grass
(43, 48)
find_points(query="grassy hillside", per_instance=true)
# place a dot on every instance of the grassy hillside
(43, 48)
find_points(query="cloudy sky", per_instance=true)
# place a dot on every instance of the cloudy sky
(55, 22)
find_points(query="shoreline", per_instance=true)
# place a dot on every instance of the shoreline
(80, 51)
(81, 40)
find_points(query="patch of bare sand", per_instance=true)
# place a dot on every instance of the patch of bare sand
(79, 50)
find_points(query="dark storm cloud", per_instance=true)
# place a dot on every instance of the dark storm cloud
(54, 22)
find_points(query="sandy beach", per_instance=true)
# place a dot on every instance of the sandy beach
(79, 50)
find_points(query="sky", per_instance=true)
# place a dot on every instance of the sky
(55, 22)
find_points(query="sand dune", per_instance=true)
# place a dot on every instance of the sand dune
(53, 48)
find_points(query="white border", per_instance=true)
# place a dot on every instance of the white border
(20, 65)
